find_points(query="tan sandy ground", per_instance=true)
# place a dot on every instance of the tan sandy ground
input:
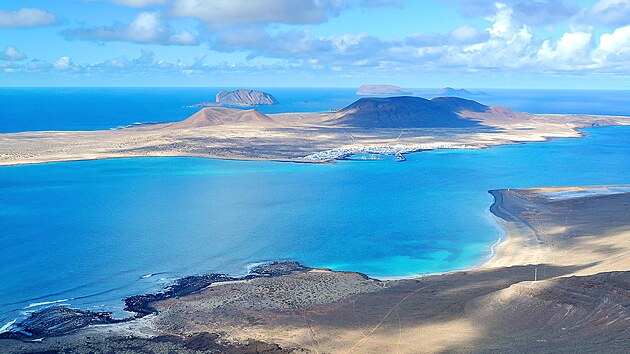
(578, 248)
(285, 137)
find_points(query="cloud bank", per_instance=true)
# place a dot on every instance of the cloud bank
(11, 53)
(27, 17)
(146, 28)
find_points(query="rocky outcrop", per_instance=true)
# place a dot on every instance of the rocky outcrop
(58, 320)
(55, 321)
(377, 90)
(245, 98)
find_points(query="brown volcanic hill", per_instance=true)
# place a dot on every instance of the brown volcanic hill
(408, 112)
(216, 116)
(592, 308)
(458, 105)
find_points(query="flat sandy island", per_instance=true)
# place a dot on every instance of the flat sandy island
(301, 137)
(560, 282)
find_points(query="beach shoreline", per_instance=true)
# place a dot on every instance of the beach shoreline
(538, 267)
(139, 305)
(287, 137)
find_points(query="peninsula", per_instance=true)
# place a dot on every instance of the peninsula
(560, 282)
(394, 125)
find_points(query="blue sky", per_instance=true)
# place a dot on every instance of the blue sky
(263, 43)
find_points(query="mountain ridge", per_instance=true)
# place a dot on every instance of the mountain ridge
(408, 112)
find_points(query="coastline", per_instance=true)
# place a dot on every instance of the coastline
(58, 321)
(291, 137)
(321, 157)
(488, 259)
(141, 304)
(536, 273)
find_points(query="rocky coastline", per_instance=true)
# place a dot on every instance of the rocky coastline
(59, 320)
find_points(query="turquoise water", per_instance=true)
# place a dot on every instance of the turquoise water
(89, 233)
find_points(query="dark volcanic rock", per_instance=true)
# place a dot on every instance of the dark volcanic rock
(456, 104)
(407, 112)
(142, 304)
(55, 321)
(276, 269)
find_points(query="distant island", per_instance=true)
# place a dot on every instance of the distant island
(391, 90)
(382, 125)
(240, 98)
(449, 91)
(376, 90)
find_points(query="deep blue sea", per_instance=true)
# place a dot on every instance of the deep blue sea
(27, 109)
(86, 234)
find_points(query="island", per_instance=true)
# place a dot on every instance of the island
(393, 125)
(560, 279)
(379, 90)
(240, 98)
(449, 91)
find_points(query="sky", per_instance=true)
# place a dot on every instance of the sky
(544, 44)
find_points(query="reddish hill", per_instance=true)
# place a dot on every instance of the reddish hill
(216, 116)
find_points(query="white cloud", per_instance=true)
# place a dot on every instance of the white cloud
(381, 3)
(11, 53)
(608, 12)
(528, 12)
(26, 17)
(505, 45)
(146, 28)
(614, 47)
(226, 13)
(139, 3)
(573, 49)
(63, 63)
(468, 34)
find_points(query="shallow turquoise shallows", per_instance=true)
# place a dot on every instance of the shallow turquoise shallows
(89, 233)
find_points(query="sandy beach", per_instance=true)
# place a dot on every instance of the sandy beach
(560, 281)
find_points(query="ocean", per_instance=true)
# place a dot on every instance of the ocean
(28, 109)
(86, 234)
